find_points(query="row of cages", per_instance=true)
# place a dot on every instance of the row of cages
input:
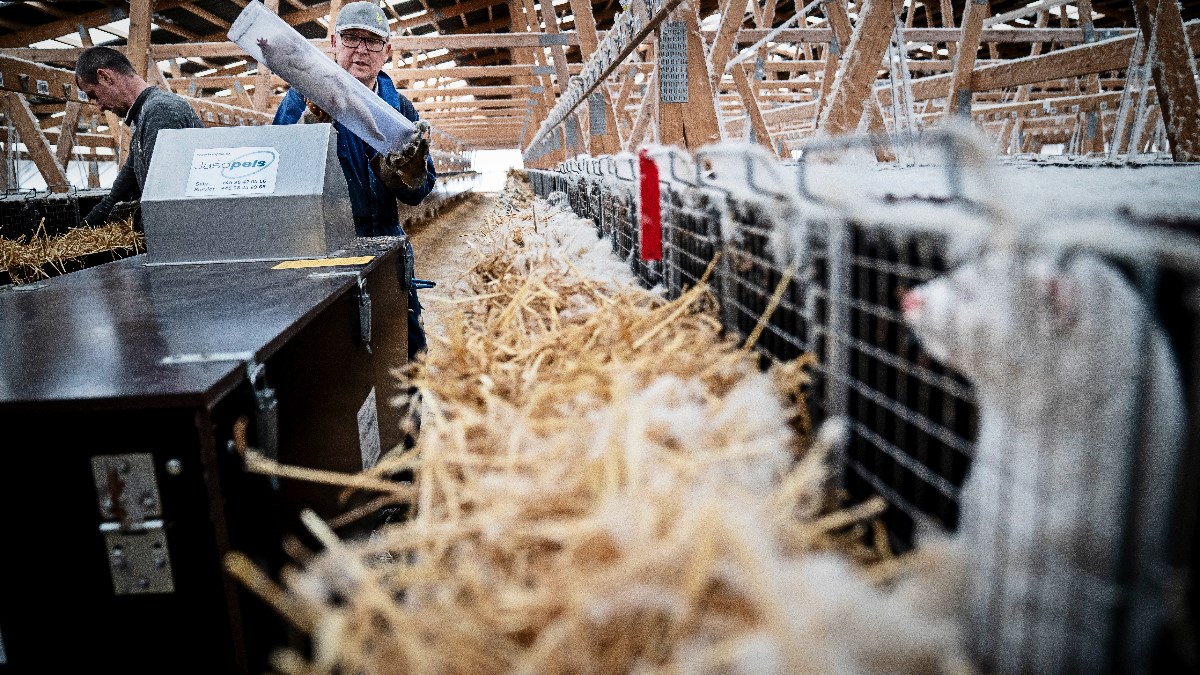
(913, 422)
(32, 213)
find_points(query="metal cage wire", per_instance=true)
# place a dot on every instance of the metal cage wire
(912, 420)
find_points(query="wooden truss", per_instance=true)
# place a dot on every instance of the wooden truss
(497, 73)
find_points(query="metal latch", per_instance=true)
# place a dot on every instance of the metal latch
(134, 539)
(266, 413)
(364, 314)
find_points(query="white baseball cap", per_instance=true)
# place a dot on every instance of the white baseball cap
(365, 15)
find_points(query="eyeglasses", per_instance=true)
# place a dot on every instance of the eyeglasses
(372, 44)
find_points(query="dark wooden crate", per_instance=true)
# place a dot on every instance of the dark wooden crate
(82, 375)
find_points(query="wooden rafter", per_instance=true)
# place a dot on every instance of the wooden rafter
(606, 141)
(733, 14)
(694, 123)
(1174, 72)
(35, 141)
(70, 23)
(856, 76)
(750, 101)
(964, 66)
(263, 82)
(138, 50)
(66, 135)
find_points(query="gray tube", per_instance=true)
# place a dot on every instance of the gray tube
(269, 40)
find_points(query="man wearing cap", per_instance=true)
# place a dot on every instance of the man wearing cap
(360, 45)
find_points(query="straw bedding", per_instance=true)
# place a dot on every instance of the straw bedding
(27, 261)
(605, 483)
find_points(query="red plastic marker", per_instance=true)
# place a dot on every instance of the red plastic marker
(650, 212)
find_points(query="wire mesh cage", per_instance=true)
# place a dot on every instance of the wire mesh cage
(913, 419)
(691, 237)
(35, 225)
(1046, 598)
(30, 213)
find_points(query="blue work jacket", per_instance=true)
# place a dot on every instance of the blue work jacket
(373, 203)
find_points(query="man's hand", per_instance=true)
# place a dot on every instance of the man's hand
(405, 169)
(313, 114)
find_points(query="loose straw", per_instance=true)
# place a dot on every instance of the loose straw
(780, 288)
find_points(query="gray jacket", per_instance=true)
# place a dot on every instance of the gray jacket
(153, 111)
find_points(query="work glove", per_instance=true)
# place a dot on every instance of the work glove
(405, 169)
(313, 114)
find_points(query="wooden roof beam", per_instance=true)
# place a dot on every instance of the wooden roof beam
(35, 142)
(68, 25)
(964, 66)
(856, 76)
(1174, 72)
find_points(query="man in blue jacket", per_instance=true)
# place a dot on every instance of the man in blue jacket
(360, 45)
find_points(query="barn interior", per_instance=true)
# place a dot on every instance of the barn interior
(842, 336)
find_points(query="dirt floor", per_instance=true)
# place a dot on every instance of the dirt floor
(442, 251)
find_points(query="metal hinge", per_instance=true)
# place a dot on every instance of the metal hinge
(134, 539)
(364, 314)
(266, 413)
(364, 304)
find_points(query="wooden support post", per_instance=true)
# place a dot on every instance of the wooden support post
(993, 48)
(517, 24)
(140, 13)
(120, 136)
(6, 180)
(1010, 125)
(539, 58)
(547, 95)
(607, 142)
(875, 125)
(85, 36)
(66, 133)
(243, 96)
(757, 126)
(263, 87)
(627, 86)
(93, 174)
(557, 52)
(335, 6)
(1095, 121)
(155, 76)
(1153, 117)
(1174, 76)
(722, 49)
(645, 113)
(692, 124)
(766, 20)
(35, 142)
(948, 22)
(959, 102)
(856, 77)
(839, 24)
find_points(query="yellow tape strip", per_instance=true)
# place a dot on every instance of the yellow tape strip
(324, 262)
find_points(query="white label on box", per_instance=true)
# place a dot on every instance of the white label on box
(368, 431)
(232, 172)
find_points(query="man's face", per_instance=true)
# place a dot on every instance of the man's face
(105, 92)
(359, 60)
